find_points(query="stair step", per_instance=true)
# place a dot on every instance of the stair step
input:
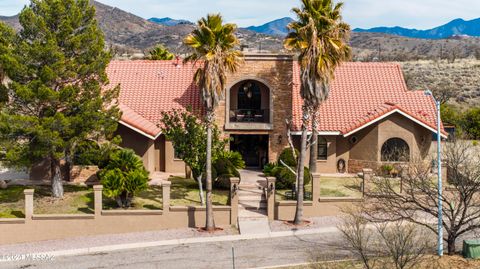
(252, 198)
(253, 204)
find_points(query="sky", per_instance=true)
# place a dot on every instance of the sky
(419, 14)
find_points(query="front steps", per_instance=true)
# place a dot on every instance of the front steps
(252, 207)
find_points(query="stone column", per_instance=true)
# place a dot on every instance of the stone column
(166, 196)
(316, 189)
(271, 198)
(98, 200)
(367, 180)
(28, 204)
(234, 181)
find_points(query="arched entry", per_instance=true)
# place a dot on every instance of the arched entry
(249, 101)
(395, 150)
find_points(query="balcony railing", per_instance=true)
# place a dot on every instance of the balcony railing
(249, 115)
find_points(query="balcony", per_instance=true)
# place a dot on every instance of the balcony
(249, 106)
(249, 115)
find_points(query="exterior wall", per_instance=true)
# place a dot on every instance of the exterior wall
(157, 155)
(172, 165)
(417, 137)
(275, 71)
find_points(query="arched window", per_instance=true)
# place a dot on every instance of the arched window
(249, 96)
(395, 150)
(322, 148)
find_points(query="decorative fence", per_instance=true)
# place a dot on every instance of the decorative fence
(318, 207)
(36, 227)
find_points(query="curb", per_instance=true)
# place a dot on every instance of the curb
(172, 242)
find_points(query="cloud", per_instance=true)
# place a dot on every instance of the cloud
(420, 14)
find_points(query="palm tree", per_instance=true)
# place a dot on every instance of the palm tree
(213, 46)
(160, 53)
(321, 38)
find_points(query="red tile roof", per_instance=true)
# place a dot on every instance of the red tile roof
(360, 94)
(148, 88)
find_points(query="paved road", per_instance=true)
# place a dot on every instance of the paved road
(248, 254)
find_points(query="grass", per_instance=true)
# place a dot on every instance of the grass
(332, 187)
(77, 200)
(184, 192)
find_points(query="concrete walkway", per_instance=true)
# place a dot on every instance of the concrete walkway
(252, 211)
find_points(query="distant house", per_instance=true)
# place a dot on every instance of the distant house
(369, 115)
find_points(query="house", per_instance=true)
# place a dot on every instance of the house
(369, 117)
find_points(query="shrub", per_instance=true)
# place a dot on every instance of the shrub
(225, 167)
(91, 153)
(268, 168)
(123, 177)
(287, 157)
(286, 179)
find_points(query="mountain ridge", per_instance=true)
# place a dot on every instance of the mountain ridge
(456, 27)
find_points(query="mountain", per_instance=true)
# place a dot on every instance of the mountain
(458, 27)
(128, 33)
(169, 21)
(274, 28)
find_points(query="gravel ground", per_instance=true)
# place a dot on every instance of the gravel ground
(315, 223)
(105, 240)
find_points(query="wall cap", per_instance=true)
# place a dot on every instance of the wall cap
(166, 183)
(28, 191)
(98, 187)
(131, 212)
(234, 180)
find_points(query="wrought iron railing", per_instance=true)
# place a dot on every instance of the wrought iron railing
(249, 115)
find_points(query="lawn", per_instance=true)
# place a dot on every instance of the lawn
(332, 187)
(184, 192)
(77, 200)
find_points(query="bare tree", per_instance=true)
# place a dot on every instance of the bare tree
(399, 245)
(358, 239)
(418, 202)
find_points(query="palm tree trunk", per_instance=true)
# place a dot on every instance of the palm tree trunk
(312, 164)
(200, 189)
(56, 174)
(210, 224)
(300, 171)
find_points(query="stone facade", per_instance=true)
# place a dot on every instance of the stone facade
(275, 72)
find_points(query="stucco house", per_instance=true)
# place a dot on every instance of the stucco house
(369, 112)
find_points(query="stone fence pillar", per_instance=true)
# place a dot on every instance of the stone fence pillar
(367, 180)
(98, 200)
(234, 181)
(166, 196)
(315, 188)
(271, 198)
(28, 204)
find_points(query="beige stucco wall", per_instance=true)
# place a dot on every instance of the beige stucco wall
(418, 138)
(172, 165)
(157, 155)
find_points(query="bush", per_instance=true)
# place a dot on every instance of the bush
(225, 167)
(267, 169)
(287, 157)
(91, 153)
(123, 177)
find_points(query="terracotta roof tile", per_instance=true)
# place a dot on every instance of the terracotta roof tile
(359, 94)
(363, 92)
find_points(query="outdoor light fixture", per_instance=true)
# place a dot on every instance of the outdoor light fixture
(439, 167)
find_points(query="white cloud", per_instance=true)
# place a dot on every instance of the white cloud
(359, 13)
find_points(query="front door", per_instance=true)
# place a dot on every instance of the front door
(254, 149)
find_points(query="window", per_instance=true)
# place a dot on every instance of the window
(322, 148)
(395, 150)
(176, 155)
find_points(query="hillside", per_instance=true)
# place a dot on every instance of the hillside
(461, 77)
(457, 27)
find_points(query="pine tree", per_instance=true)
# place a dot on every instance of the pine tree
(58, 96)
